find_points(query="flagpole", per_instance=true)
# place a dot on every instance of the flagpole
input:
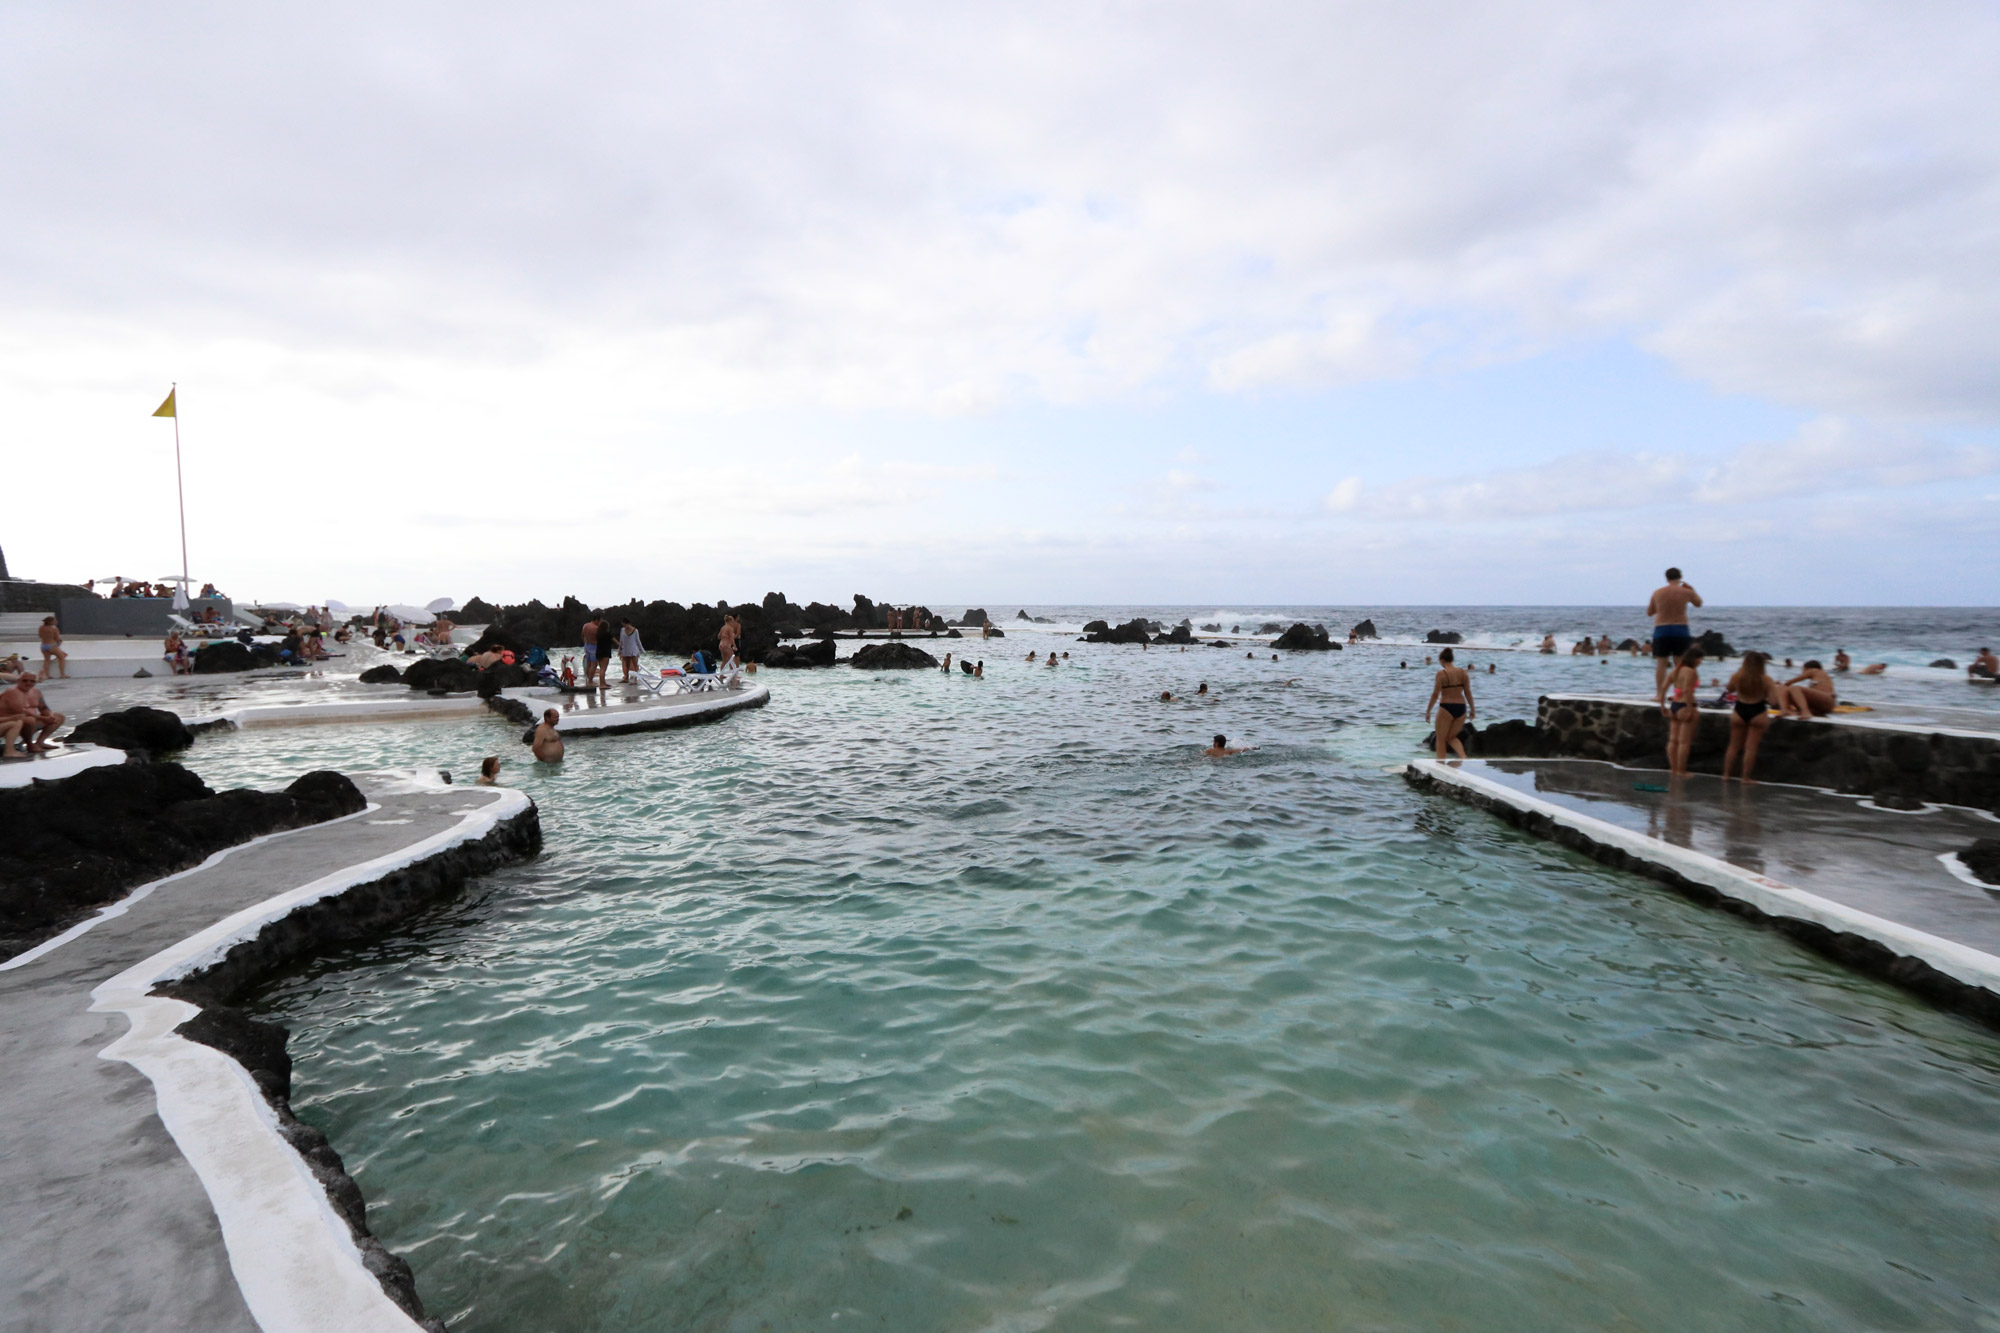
(180, 488)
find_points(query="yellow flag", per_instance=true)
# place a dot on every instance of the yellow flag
(167, 408)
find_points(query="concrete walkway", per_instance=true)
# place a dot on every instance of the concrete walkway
(144, 1186)
(1867, 885)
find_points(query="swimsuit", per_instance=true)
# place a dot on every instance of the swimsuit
(589, 653)
(1456, 710)
(1751, 712)
(1671, 640)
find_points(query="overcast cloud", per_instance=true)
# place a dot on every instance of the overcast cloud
(732, 263)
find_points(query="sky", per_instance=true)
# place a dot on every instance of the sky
(1297, 303)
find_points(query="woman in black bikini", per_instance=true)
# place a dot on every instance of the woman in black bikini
(1451, 695)
(1683, 717)
(1753, 689)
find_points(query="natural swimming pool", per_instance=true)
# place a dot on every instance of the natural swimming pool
(947, 1004)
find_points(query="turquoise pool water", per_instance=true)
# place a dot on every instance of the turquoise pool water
(915, 1002)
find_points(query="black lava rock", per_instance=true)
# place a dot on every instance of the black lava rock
(1627, 645)
(1512, 739)
(381, 675)
(1269, 627)
(1132, 631)
(1305, 638)
(819, 653)
(1946, 664)
(1097, 627)
(453, 674)
(79, 842)
(1365, 630)
(324, 790)
(227, 655)
(1712, 644)
(142, 733)
(503, 676)
(1982, 858)
(973, 618)
(893, 657)
(1444, 636)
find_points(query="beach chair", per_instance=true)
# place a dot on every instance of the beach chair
(657, 685)
(700, 676)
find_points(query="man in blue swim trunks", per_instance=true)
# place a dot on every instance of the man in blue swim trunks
(1671, 636)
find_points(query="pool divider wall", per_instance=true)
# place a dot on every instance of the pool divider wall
(187, 994)
(1951, 975)
(1896, 763)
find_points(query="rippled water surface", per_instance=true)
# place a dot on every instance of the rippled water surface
(926, 1003)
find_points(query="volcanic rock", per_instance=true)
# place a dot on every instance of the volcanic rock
(1712, 644)
(973, 618)
(892, 657)
(1302, 637)
(1365, 630)
(1132, 631)
(1982, 858)
(381, 675)
(1269, 627)
(79, 842)
(142, 733)
(1512, 739)
(451, 674)
(503, 676)
(1946, 664)
(1444, 636)
(1096, 627)
(224, 655)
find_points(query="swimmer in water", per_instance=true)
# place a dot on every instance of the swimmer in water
(489, 770)
(1050, 662)
(979, 670)
(1222, 748)
(547, 745)
(1203, 690)
(1166, 696)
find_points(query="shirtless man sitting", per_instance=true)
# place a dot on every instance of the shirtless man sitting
(1668, 607)
(37, 720)
(547, 745)
(1841, 661)
(1985, 665)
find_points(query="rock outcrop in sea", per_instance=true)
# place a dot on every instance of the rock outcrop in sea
(1306, 638)
(1365, 630)
(1132, 631)
(818, 653)
(893, 656)
(1444, 636)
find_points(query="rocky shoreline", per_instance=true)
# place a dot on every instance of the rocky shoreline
(359, 912)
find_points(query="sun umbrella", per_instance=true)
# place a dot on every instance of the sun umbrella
(440, 606)
(180, 590)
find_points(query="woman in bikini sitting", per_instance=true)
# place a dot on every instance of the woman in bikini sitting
(1754, 690)
(1681, 714)
(1814, 698)
(1451, 695)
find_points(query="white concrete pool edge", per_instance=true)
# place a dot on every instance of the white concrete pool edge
(1772, 897)
(292, 1256)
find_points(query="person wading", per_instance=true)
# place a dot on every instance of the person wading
(1451, 696)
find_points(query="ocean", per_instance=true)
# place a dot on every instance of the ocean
(913, 1001)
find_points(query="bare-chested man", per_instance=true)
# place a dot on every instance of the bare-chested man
(548, 745)
(1671, 635)
(1986, 664)
(24, 703)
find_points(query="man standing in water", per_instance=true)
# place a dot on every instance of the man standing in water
(1671, 636)
(547, 745)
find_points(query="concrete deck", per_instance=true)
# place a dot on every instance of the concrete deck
(619, 712)
(143, 1183)
(1869, 885)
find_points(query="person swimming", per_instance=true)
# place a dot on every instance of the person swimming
(1166, 696)
(1222, 748)
(489, 771)
(1203, 690)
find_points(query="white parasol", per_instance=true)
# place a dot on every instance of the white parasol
(440, 606)
(180, 583)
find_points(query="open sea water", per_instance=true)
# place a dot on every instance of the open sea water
(918, 1002)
